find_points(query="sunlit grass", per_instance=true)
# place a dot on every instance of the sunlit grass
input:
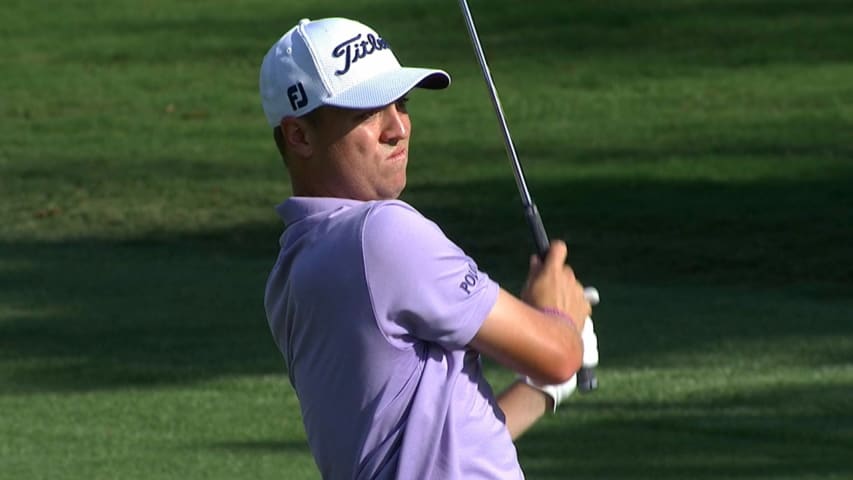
(696, 155)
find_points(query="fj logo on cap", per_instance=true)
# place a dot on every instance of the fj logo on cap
(296, 94)
(352, 50)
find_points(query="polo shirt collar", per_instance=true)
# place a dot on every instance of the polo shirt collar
(296, 208)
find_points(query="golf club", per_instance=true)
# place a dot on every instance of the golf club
(586, 378)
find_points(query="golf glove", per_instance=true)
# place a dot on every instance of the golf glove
(590, 344)
(558, 393)
(588, 336)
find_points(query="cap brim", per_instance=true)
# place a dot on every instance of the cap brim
(388, 87)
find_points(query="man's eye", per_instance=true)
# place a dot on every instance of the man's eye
(367, 114)
(402, 104)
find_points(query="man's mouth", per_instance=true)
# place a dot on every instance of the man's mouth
(398, 155)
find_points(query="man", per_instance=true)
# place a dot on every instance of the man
(381, 318)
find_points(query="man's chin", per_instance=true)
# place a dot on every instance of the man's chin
(393, 194)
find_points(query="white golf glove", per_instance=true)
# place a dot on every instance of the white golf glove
(588, 336)
(590, 344)
(558, 393)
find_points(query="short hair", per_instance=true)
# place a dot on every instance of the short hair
(278, 136)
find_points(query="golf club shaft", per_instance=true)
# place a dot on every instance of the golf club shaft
(586, 376)
(493, 94)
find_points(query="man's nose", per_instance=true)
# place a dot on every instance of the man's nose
(396, 125)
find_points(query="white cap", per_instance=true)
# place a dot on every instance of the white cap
(338, 62)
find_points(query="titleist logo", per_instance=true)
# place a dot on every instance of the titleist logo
(352, 50)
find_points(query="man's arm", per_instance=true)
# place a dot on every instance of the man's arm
(541, 346)
(522, 405)
(545, 347)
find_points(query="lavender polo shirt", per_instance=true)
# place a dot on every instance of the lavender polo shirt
(372, 308)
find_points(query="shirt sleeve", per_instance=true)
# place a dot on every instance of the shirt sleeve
(422, 286)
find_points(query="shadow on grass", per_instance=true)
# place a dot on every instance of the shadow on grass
(93, 315)
(678, 265)
(732, 33)
(781, 432)
(683, 267)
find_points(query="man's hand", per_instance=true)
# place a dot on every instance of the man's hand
(556, 393)
(551, 285)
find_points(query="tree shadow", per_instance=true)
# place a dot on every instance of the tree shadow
(732, 33)
(782, 431)
(689, 270)
(680, 265)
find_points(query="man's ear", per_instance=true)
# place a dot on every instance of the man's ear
(297, 136)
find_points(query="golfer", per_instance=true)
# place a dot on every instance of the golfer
(381, 319)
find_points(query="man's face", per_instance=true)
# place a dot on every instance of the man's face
(362, 154)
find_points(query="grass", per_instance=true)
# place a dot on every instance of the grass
(696, 155)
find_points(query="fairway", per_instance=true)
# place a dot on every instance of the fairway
(696, 155)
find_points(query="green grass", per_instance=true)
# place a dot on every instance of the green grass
(697, 155)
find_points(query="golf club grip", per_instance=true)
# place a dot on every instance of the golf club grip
(587, 380)
(538, 229)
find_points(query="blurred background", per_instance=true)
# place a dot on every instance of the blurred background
(696, 155)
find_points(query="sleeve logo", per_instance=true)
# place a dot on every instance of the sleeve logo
(470, 280)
